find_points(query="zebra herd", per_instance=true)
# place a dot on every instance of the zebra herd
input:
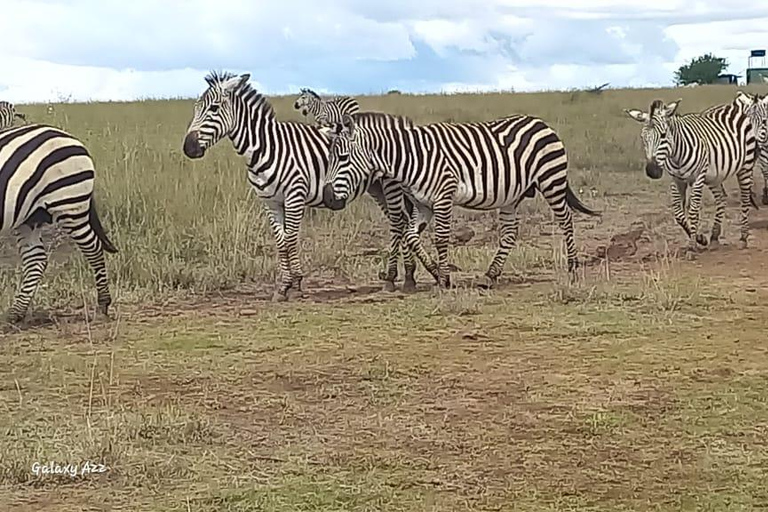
(415, 173)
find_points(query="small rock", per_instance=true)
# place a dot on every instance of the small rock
(248, 312)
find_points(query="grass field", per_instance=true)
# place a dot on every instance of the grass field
(643, 386)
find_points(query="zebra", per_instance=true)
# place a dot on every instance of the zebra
(757, 108)
(697, 149)
(490, 165)
(325, 113)
(47, 177)
(287, 163)
(8, 115)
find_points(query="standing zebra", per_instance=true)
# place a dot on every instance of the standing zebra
(287, 164)
(47, 176)
(489, 165)
(697, 149)
(325, 113)
(8, 115)
(757, 108)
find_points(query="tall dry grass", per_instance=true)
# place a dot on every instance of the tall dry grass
(195, 226)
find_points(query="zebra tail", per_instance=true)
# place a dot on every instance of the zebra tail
(753, 200)
(93, 218)
(576, 204)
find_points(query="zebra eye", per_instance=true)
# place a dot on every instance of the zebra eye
(214, 108)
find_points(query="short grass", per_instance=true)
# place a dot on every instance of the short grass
(641, 387)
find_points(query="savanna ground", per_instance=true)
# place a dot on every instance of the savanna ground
(641, 387)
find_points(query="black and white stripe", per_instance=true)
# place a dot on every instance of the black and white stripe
(287, 163)
(757, 109)
(47, 176)
(326, 112)
(8, 115)
(490, 165)
(697, 149)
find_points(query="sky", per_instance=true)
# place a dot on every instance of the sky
(101, 50)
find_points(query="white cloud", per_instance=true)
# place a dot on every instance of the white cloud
(91, 49)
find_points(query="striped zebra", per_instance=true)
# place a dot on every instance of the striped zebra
(489, 165)
(8, 115)
(47, 176)
(325, 113)
(757, 108)
(287, 163)
(697, 149)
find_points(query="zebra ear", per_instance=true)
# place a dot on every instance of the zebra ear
(672, 107)
(637, 115)
(20, 115)
(235, 82)
(744, 98)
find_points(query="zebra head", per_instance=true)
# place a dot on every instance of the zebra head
(306, 99)
(756, 107)
(214, 114)
(655, 135)
(350, 163)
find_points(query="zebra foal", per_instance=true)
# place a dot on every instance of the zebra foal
(489, 165)
(698, 149)
(47, 176)
(325, 113)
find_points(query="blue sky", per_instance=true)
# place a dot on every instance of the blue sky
(110, 50)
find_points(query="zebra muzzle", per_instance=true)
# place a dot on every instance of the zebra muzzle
(329, 198)
(192, 148)
(653, 170)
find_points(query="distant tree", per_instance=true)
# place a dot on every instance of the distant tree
(701, 70)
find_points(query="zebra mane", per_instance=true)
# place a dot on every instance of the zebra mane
(401, 121)
(218, 77)
(258, 100)
(655, 105)
(310, 92)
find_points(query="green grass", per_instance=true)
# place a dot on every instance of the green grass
(640, 387)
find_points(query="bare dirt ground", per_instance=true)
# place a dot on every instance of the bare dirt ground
(642, 387)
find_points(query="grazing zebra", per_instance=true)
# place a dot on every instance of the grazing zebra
(757, 108)
(697, 149)
(490, 165)
(326, 113)
(47, 176)
(287, 164)
(8, 115)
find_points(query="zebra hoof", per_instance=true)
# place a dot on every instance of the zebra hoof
(487, 282)
(409, 286)
(714, 243)
(280, 296)
(389, 286)
(764, 199)
(743, 244)
(701, 240)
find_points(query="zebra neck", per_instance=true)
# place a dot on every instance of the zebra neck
(253, 123)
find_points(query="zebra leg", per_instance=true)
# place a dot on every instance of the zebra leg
(762, 162)
(276, 221)
(677, 190)
(718, 192)
(694, 213)
(389, 276)
(34, 261)
(745, 187)
(417, 223)
(557, 202)
(510, 226)
(443, 213)
(294, 215)
(80, 231)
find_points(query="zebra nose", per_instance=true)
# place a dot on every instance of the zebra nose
(652, 169)
(192, 147)
(329, 198)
